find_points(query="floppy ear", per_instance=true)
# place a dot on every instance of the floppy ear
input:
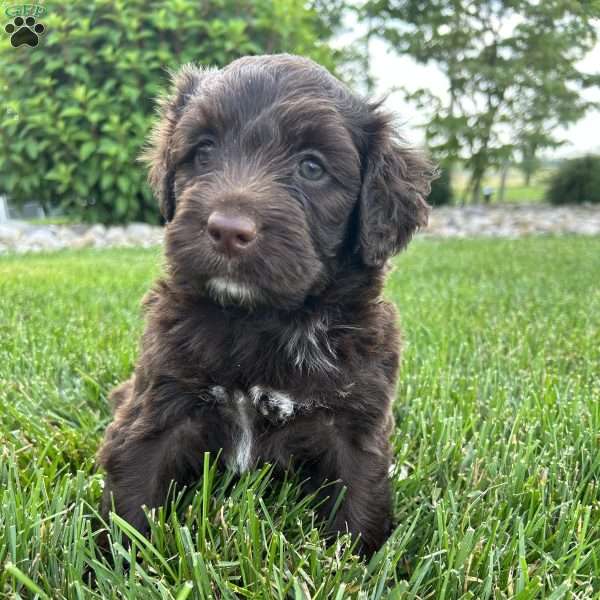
(184, 84)
(396, 182)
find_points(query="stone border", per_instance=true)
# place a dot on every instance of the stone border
(513, 221)
(507, 221)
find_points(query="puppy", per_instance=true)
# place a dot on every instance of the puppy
(267, 339)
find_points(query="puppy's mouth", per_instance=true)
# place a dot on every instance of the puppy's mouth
(227, 291)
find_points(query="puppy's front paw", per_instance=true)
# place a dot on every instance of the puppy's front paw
(273, 405)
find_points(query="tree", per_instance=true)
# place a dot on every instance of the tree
(441, 189)
(77, 108)
(576, 181)
(511, 67)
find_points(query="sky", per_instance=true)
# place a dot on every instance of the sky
(391, 70)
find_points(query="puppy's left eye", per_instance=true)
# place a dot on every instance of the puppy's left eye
(203, 151)
(310, 168)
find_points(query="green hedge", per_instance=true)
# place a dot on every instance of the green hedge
(76, 109)
(576, 181)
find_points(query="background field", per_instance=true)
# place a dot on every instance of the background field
(497, 454)
(516, 192)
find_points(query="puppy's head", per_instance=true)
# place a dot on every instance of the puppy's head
(272, 175)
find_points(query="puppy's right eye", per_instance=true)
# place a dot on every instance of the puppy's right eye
(311, 169)
(203, 151)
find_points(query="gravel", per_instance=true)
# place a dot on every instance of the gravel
(513, 221)
(20, 237)
(507, 221)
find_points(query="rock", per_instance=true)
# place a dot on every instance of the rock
(66, 234)
(87, 240)
(141, 234)
(9, 234)
(42, 238)
(78, 229)
(139, 230)
(117, 236)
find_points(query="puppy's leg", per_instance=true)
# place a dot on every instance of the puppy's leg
(121, 394)
(365, 506)
(347, 469)
(140, 466)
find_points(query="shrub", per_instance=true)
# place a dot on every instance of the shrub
(77, 108)
(441, 189)
(576, 181)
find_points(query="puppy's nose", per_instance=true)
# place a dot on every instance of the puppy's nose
(231, 234)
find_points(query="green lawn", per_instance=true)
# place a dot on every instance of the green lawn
(517, 192)
(497, 443)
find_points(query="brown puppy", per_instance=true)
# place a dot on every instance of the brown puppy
(284, 194)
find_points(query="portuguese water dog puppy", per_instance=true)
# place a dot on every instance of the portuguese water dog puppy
(267, 340)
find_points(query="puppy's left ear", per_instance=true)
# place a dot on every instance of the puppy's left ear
(396, 182)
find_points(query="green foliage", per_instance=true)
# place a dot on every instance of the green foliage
(496, 448)
(512, 72)
(76, 109)
(441, 189)
(576, 181)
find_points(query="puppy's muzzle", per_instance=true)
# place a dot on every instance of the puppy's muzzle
(231, 234)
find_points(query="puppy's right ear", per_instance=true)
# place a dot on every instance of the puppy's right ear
(184, 85)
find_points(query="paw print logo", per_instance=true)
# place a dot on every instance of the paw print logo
(24, 31)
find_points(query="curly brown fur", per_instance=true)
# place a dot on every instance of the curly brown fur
(284, 352)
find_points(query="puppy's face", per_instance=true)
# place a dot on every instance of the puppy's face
(272, 175)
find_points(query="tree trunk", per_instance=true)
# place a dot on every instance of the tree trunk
(3, 210)
(503, 177)
(45, 207)
(476, 180)
(476, 188)
(466, 193)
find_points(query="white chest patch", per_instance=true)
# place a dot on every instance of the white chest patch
(275, 406)
(241, 457)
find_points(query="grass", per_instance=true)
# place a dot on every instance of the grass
(54, 220)
(516, 192)
(523, 194)
(497, 443)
